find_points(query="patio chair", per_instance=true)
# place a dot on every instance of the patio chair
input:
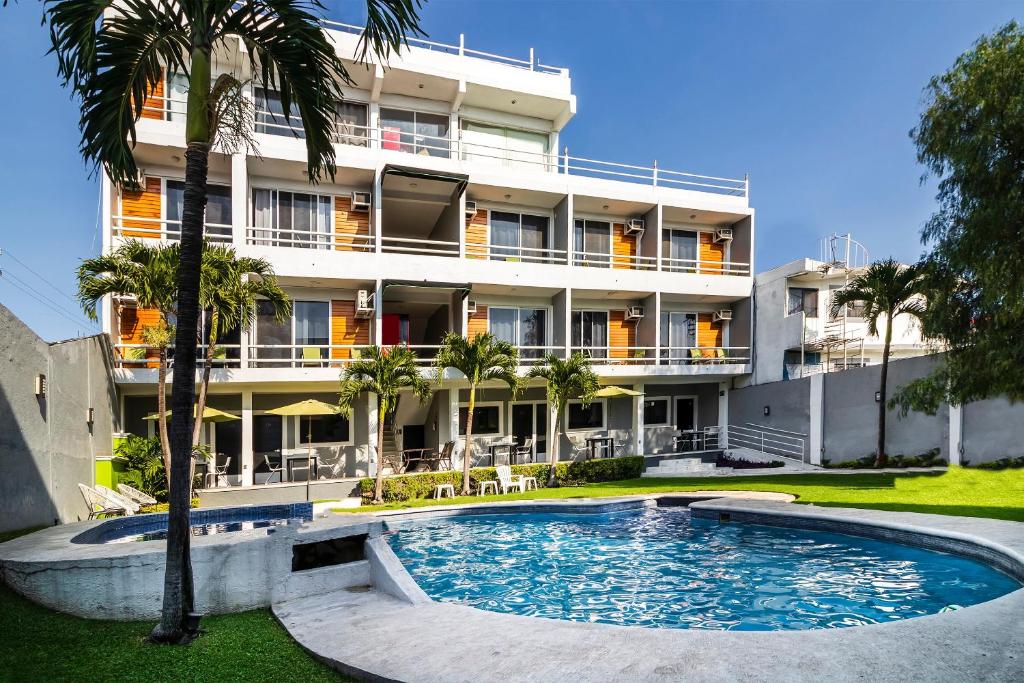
(444, 460)
(215, 472)
(311, 356)
(524, 453)
(279, 470)
(128, 504)
(100, 504)
(580, 450)
(132, 493)
(393, 461)
(507, 480)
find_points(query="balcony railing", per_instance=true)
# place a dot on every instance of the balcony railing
(704, 355)
(590, 259)
(416, 245)
(299, 239)
(158, 228)
(140, 356)
(704, 267)
(618, 355)
(500, 252)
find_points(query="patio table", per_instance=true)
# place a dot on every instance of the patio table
(603, 443)
(502, 444)
(414, 456)
(291, 459)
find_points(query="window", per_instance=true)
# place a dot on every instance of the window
(656, 412)
(853, 310)
(415, 132)
(486, 419)
(323, 429)
(271, 333)
(586, 417)
(228, 343)
(312, 329)
(678, 334)
(803, 300)
(218, 209)
(682, 249)
(517, 237)
(590, 333)
(270, 118)
(177, 96)
(592, 243)
(305, 337)
(350, 119)
(292, 219)
(520, 326)
(502, 146)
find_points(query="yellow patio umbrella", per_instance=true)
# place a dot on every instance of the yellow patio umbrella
(209, 415)
(308, 407)
(615, 392)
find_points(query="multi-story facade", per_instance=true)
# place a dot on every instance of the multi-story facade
(452, 209)
(796, 334)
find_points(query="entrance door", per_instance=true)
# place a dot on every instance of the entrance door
(229, 443)
(686, 422)
(266, 441)
(529, 421)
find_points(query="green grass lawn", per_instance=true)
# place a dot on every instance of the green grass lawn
(41, 645)
(967, 492)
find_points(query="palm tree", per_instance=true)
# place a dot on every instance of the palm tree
(566, 379)
(148, 273)
(228, 291)
(111, 53)
(384, 372)
(887, 288)
(485, 358)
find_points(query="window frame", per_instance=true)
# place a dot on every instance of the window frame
(254, 339)
(603, 402)
(803, 301)
(432, 150)
(530, 257)
(606, 347)
(667, 400)
(300, 445)
(482, 404)
(519, 309)
(598, 262)
(276, 238)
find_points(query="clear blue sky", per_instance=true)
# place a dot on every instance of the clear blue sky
(812, 99)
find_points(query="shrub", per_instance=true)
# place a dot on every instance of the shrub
(741, 464)
(929, 459)
(144, 465)
(404, 487)
(1001, 464)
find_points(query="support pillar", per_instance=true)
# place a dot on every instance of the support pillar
(239, 199)
(371, 437)
(723, 415)
(247, 431)
(816, 412)
(638, 421)
(956, 434)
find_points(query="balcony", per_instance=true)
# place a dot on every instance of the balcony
(168, 230)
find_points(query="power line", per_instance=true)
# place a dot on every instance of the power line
(14, 284)
(15, 280)
(7, 252)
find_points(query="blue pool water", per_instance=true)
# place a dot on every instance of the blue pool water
(203, 522)
(660, 568)
(203, 530)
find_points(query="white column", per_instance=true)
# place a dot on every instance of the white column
(378, 209)
(723, 414)
(239, 198)
(371, 437)
(638, 421)
(247, 452)
(816, 411)
(453, 426)
(956, 434)
(378, 314)
(106, 210)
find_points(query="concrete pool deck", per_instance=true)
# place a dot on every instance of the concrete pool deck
(394, 632)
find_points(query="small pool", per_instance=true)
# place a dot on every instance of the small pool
(661, 568)
(203, 522)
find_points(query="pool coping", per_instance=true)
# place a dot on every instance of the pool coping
(984, 641)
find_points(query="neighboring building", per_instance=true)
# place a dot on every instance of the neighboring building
(796, 336)
(452, 210)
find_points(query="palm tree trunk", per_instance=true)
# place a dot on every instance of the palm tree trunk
(881, 458)
(161, 410)
(467, 453)
(555, 441)
(378, 485)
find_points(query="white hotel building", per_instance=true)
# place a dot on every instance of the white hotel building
(454, 208)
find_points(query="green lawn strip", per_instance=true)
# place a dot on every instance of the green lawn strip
(40, 644)
(966, 492)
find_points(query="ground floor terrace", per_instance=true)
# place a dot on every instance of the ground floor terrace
(258, 455)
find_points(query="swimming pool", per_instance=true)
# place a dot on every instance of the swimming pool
(661, 568)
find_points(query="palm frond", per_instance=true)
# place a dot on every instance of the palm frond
(149, 273)
(567, 378)
(388, 24)
(484, 358)
(385, 372)
(887, 288)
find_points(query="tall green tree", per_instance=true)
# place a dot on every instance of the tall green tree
(147, 272)
(971, 139)
(111, 53)
(571, 378)
(385, 373)
(886, 289)
(229, 288)
(485, 358)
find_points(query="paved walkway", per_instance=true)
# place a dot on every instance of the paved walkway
(378, 637)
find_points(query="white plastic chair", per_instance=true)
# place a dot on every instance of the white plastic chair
(580, 450)
(524, 453)
(130, 505)
(132, 493)
(507, 480)
(100, 504)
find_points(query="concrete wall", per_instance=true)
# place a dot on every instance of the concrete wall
(841, 415)
(47, 447)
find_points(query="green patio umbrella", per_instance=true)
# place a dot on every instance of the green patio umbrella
(209, 415)
(308, 407)
(615, 392)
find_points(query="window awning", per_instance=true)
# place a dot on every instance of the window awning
(433, 178)
(463, 288)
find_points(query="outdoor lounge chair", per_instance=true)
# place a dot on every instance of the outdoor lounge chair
(130, 505)
(507, 480)
(524, 453)
(444, 459)
(279, 470)
(132, 493)
(580, 450)
(99, 504)
(216, 472)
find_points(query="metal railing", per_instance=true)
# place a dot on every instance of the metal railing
(501, 252)
(702, 267)
(769, 440)
(696, 440)
(302, 355)
(165, 109)
(141, 356)
(416, 245)
(162, 229)
(704, 355)
(298, 239)
(618, 355)
(592, 259)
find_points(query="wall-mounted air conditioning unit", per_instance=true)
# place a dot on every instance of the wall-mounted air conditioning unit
(634, 312)
(723, 234)
(471, 306)
(634, 226)
(361, 201)
(470, 209)
(364, 304)
(140, 181)
(723, 315)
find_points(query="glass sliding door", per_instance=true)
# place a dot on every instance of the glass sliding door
(678, 335)
(524, 327)
(218, 210)
(351, 118)
(272, 333)
(518, 236)
(592, 243)
(683, 250)
(292, 219)
(529, 421)
(502, 146)
(415, 132)
(312, 331)
(504, 235)
(590, 333)
(270, 118)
